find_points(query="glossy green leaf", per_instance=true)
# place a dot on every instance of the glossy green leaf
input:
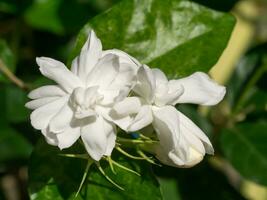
(177, 36)
(244, 147)
(7, 58)
(53, 177)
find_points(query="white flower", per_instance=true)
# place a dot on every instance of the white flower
(72, 108)
(182, 143)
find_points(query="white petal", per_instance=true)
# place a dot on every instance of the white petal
(34, 104)
(104, 72)
(50, 137)
(128, 106)
(180, 139)
(42, 115)
(199, 89)
(172, 143)
(58, 72)
(61, 120)
(123, 57)
(88, 58)
(160, 77)
(68, 137)
(111, 141)
(145, 86)
(188, 128)
(165, 96)
(46, 91)
(95, 136)
(111, 116)
(126, 77)
(142, 119)
(109, 96)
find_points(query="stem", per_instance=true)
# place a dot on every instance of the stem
(12, 76)
(89, 163)
(107, 177)
(129, 155)
(135, 141)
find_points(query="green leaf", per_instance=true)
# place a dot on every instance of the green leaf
(7, 58)
(60, 17)
(169, 188)
(244, 147)
(14, 104)
(199, 182)
(13, 145)
(55, 177)
(43, 15)
(177, 36)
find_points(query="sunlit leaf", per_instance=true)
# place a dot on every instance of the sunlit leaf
(177, 36)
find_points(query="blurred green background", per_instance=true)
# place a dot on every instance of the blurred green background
(237, 127)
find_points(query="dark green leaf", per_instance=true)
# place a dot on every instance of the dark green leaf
(7, 58)
(44, 15)
(201, 182)
(55, 177)
(60, 17)
(15, 100)
(244, 147)
(13, 145)
(225, 5)
(169, 188)
(177, 36)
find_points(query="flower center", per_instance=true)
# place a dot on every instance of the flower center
(83, 101)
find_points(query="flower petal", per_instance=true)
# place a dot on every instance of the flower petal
(123, 57)
(50, 137)
(46, 91)
(104, 72)
(58, 72)
(145, 86)
(41, 117)
(95, 136)
(128, 106)
(36, 103)
(180, 139)
(111, 141)
(160, 77)
(61, 120)
(190, 129)
(199, 89)
(68, 137)
(111, 116)
(172, 143)
(88, 58)
(142, 119)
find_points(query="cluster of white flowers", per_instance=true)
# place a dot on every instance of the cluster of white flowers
(109, 88)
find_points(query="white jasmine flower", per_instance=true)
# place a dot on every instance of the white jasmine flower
(182, 143)
(72, 108)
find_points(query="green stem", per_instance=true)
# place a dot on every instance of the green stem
(89, 163)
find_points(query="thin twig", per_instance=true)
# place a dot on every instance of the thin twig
(12, 76)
